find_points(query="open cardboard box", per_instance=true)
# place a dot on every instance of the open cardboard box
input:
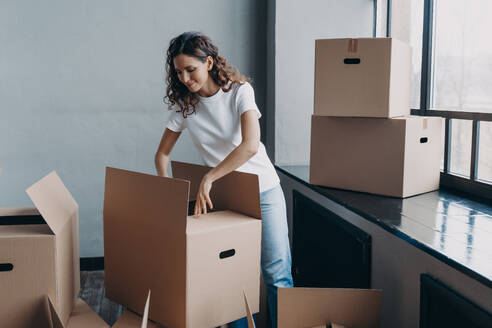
(196, 268)
(39, 255)
(366, 77)
(84, 317)
(326, 307)
(397, 157)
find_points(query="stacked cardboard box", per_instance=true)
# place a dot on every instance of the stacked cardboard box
(362, 135)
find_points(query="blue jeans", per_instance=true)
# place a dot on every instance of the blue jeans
(275, 250)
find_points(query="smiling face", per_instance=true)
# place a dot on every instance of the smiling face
(192, 72)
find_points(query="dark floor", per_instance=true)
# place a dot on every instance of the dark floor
(92, 292)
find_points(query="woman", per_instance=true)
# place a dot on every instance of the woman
(217, 105)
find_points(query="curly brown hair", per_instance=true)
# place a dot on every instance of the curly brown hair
(199, 46)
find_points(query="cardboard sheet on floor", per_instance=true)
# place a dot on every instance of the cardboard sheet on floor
(366, 77)
(322, 307)
(196, 268)
(309, 307)
(39, 259)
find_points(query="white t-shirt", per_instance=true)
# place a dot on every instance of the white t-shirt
(215, 129)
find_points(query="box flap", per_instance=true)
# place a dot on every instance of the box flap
(84, 317)
(144, 213)
(60, 211)
(310, 307)
(53, 200)
(145, 317)
(132, 320)
(217, 220)
(251, 322)
(51, 314)
(237, 191)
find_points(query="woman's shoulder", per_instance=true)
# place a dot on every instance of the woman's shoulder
(239, 88)
(243, 85)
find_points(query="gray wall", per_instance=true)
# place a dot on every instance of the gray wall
(298, 24)
(81, 87)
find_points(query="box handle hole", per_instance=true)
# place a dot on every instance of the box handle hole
(423, 140)
(6, 267)
(226, 254)
(351, 61)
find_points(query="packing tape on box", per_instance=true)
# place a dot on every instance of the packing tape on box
(353, 45)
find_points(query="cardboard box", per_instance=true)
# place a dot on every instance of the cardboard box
(39, 259)
(367, 77)
(196, 268)
(397, 157)
(322, 307)
(84, 317)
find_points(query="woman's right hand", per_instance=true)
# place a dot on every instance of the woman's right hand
(203, 196)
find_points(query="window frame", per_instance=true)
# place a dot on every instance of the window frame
(469, 185)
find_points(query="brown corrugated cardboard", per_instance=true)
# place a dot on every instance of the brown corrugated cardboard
(367, 77)
(326, 307)
(225, 193)
(196, 268)
(132, 320)
(397, 157)
(52, 317)
(39, 258)
(84, 317)
(308, 307)
(251, 322)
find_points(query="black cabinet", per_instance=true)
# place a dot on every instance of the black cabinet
(440, 306)
(327, 250)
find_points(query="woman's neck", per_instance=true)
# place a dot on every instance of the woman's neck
(209, 89)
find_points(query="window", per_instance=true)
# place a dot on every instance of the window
(452, 78)
(406, 25)
(462, 59)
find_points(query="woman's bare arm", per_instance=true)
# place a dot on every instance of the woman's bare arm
(161, 159)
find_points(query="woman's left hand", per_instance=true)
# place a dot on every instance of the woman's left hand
(203, 196)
